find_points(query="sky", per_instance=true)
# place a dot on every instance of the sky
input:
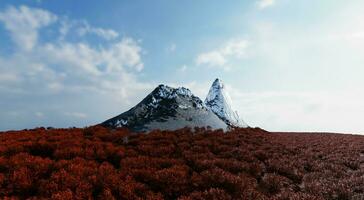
(288, 65)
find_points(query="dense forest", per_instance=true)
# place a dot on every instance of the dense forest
(98, 163)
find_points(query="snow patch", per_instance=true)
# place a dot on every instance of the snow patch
(121, 123)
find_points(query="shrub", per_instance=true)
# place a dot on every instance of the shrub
(98, 163)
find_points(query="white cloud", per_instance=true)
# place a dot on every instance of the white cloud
(265, 3)
(107, 34)
(83, 28)
(75, 66)
(233, 49)
(212, 58)
(126, 53)
(65, 26)
(82, 59)
(24, 23)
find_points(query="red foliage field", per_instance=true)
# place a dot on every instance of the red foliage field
(97, 163)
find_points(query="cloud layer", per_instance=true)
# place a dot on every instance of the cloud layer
(58, 67)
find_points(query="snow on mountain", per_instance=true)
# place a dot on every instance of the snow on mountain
(167, 108)
(219, 101)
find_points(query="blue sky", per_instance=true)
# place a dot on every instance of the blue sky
(288, 65)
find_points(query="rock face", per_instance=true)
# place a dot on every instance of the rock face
(167, 108)
(219, 102)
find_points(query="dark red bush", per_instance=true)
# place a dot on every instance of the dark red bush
(98, 163)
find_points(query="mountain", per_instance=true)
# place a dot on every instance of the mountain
(167, 108)
(219, 102)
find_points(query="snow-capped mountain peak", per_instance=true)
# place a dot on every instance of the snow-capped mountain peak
(219, 101)
(167, 108)
(164, 91)
(179, 95)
